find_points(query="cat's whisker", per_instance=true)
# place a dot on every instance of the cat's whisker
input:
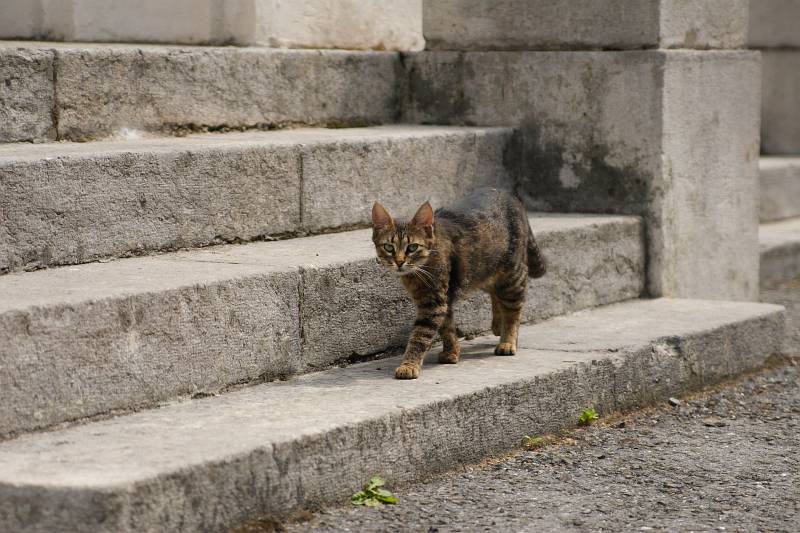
(424, 272)
(417, 272)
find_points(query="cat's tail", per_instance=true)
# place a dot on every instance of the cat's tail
(537, 264)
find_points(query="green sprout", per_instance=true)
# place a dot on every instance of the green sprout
(532, 442)
(587, 417)
(373, 494)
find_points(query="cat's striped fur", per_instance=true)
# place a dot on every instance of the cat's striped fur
(482, 242)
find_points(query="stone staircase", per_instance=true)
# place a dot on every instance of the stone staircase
(193, 328)
(205, 464)
(773, 32)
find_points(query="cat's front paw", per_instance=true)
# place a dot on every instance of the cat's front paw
(505, 348)
(407, 371)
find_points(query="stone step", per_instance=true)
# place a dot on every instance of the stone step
(780, 188)
(780, 251)
(209, 464)
(67, 203)
(85, 340)
(85, 91)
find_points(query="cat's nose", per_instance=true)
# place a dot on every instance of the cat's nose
(400, 262)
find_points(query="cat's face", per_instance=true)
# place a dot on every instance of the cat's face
(403, 248)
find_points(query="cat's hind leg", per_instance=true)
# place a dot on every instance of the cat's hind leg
(450, 348)
(497, 316)
(510, 293)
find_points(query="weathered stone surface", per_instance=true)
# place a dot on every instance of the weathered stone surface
(704, 240)
(703, 24)
(26, 95)
(86, 340)
(349, 24)
(780, 188)
(103, 89)
(268, 450)
(773, 24)
(780, 251)
(780, 104)
(629, 132)
(73, 203)
(568, 25)
(80, 341)
(20, 19)
(401, 166)
(589, 122)
(176, 21)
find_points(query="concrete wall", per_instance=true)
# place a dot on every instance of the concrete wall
(350, 24)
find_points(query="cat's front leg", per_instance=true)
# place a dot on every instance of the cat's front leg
(431, 314)
(450, 348)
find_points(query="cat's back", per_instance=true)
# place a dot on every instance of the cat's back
(480, 207)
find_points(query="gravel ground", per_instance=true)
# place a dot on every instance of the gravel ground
(724, 460)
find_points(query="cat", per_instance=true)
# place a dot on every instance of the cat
(483, 242)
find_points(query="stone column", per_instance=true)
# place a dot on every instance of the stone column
(647, 108)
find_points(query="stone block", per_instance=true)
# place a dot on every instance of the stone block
(401, 166)
(75, 203)
(27, 101)
(707, 194)
(780, 104)
(780, 188)
(102, 90)
(84, 341)
(345, 24)
(624, 132)
(780, 251)
(569, 25)
(773, 24)
(349, 24)
(703, 24)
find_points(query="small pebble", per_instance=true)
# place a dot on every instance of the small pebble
(714, 422)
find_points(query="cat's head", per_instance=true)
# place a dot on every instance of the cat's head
(403, 247)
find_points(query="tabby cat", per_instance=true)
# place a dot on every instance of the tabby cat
(482, 242)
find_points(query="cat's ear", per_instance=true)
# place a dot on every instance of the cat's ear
(381, 217)
(424, 218)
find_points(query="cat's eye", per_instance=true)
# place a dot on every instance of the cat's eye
(412, 248)
(388, 247)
